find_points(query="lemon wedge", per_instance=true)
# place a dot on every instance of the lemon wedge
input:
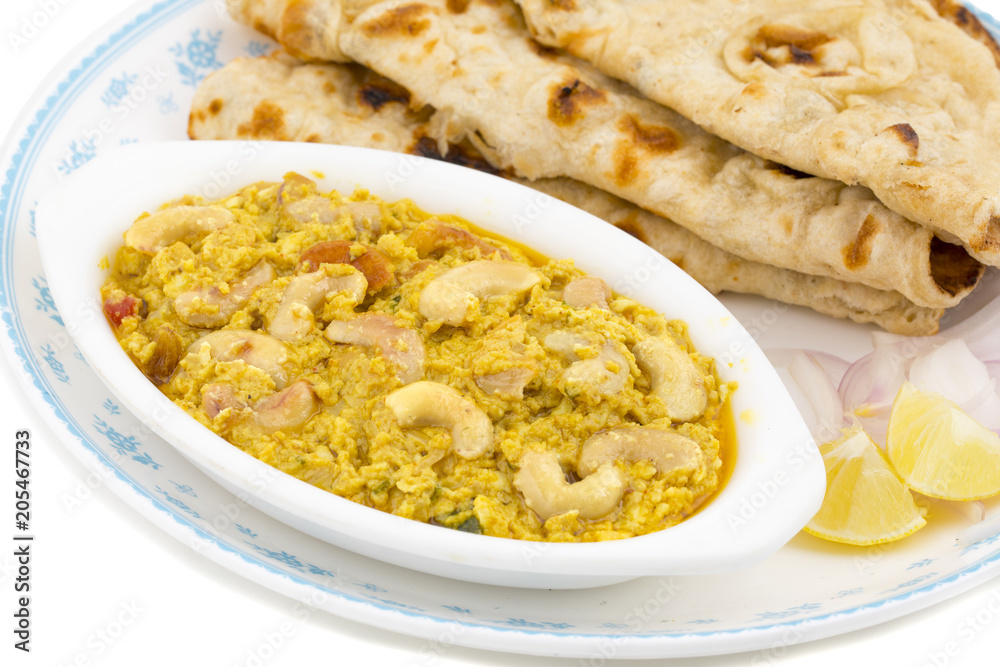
(939, 450)
(866, 502)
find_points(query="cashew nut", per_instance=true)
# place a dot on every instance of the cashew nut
(543, 484)
(667, 450)
(288, 408)
(315, 208)
(432, 235)
(364, 215)
(590, 379)
(153, 233)
(375, 266)
(208, 307)
(455, 294)
(219, 396)
(285, 409)
(509, 383)
(293, 187)
(403, 348)
(501, 365)
(255, 349)
(304, 294)
(427, 403)
(674, 377)
(586, 291)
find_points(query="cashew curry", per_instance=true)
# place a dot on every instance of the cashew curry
(406, 362)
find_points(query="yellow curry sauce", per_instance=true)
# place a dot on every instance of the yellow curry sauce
(402, 361)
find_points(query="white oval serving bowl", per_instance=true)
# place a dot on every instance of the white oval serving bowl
(778, 480)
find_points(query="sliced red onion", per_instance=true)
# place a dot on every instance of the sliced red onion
(962, 364)
(972, 511)
(781, 357)
(822, 395)
(799, 397)
(813, 390)
(984, 407)
(951, 370)
(979, 531)
(870, 384)
(876, 427)
(980, 331)
(832, 365)
(993, 368)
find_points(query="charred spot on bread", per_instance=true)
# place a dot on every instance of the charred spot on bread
(858, 252)
(376, 94)
(779, 44)
(804, 41)
(989, 239)
(654, 138)
(297, 32)
(906, 134)
(464, 156)
(404, 21)
(755, 89)
(541, 50)
(640, 139)
(786, 170)
(457, 6)
(568, 101)
(267, 122)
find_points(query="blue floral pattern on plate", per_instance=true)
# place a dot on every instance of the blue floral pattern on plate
(118, 89)
(198, 58)
(78, 153)
(642, 618)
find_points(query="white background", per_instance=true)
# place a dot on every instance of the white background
(110, 588)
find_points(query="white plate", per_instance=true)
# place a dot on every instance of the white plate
(132, 82)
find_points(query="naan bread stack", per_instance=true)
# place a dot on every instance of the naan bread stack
(279, 97)
(470, 74)
(885, 93)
